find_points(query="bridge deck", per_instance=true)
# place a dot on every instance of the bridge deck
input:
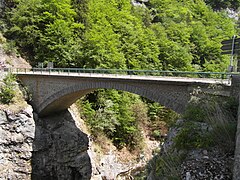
(226, 82)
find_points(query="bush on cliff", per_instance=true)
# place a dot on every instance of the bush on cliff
(7, 91)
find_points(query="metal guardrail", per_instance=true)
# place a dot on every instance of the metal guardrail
(215, 75)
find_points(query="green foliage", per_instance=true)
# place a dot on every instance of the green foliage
(140, 111)
(109, 111)
(157, 134)
(189, 33)
(166, 166)
(102, 119)
(168, 35)
(171, 35)
(158, 113)
(10, 48)
(44, 30)
(7, 91)
(223, 121)
(224, 136)
(115, 38)
(192, 136)
(220, 114)
(194, 112)
(2, 39)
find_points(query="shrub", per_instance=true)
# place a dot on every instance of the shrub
(157, 134)
(10, 48)
(224, 124)
(2, 39)
(194, 112)
(192, 136)
(7, 91)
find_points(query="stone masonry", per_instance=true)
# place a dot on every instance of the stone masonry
(53, 93)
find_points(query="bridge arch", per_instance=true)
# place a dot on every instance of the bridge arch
(64, 98)
(55, 92)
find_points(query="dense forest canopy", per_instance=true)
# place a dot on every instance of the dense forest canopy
(163, 34)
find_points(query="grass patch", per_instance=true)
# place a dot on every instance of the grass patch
(166, 166)
(219, 113)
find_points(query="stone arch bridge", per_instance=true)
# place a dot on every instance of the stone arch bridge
(53, 92)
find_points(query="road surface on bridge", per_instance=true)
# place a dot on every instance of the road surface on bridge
(226, 82)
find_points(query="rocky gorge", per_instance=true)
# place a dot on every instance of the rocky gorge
(60, 147)
(54, 147)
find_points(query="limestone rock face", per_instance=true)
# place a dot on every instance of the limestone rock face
(60, 150)
(16, 138)
(42, 149)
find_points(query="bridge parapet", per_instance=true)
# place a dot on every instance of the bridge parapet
(215, 75)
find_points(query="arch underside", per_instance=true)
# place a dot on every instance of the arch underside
(64, 98)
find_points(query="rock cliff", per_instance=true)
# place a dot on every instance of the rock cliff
(16, 139)
(60, 149)
(47, 148)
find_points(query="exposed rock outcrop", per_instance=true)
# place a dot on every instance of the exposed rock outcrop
(60, 149)
(12, 61)
(48, 148)
(211, 164)
(16, 138)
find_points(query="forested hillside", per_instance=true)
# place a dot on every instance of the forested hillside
(172, 35)
(160, 34)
